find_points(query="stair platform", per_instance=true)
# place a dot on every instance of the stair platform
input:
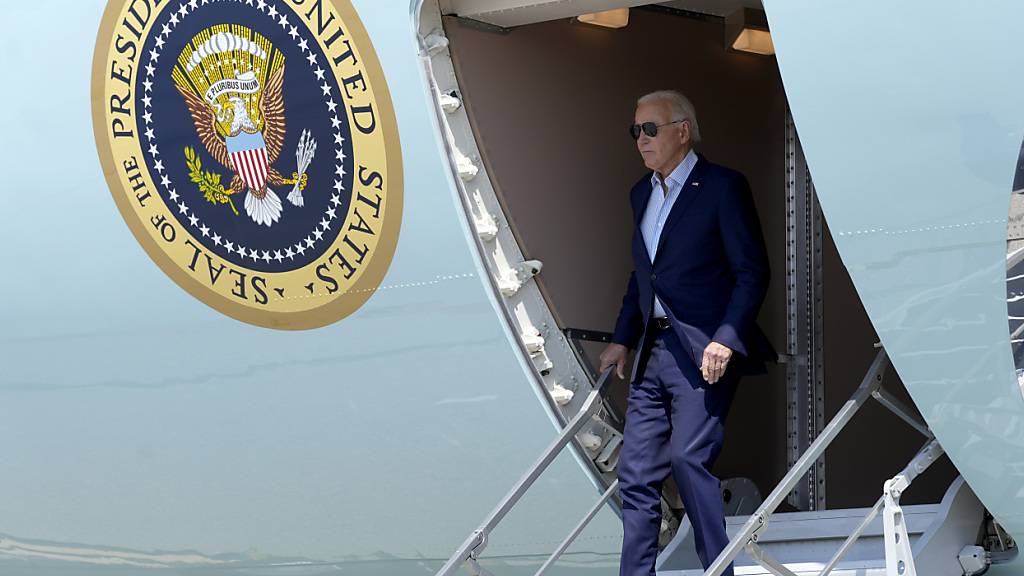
(804, 542)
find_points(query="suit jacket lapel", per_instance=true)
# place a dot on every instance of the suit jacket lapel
(691, 189)
(641, 197)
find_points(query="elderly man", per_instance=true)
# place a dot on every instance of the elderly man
(700, 275)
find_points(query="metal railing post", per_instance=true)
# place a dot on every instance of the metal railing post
(885, 398)
(853, 537)
(769, 563)
(579, 528)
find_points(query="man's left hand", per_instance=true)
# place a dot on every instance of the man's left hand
(716, 357)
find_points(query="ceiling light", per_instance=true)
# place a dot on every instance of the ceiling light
(756, 41)
(617, 18)
(746, 30)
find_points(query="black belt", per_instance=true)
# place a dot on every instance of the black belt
(661, 323)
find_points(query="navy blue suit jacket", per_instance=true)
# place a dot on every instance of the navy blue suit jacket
(710, 272)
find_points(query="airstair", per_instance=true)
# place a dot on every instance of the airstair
(886, 539)
(798, 541)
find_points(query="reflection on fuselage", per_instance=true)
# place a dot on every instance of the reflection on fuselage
(1015, 269)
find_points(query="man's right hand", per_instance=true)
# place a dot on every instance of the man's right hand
(615, 355)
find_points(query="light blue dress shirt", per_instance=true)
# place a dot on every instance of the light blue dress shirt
(659, 207)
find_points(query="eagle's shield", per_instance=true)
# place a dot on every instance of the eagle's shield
(248, 153)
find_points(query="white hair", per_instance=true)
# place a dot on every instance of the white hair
(681, 107)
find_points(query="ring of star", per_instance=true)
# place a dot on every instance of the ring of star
(198, 226)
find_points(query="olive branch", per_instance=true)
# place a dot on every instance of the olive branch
(209, 182)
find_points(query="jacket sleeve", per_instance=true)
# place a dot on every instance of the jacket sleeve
(748, 258)
(630, 325)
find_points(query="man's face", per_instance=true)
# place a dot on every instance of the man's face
(667, 149)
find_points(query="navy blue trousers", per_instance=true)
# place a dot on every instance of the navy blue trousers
(675, 421)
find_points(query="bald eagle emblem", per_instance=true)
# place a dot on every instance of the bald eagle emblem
(231, 79)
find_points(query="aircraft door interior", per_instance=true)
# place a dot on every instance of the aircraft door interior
(546, 106)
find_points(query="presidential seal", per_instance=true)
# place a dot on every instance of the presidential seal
(252, 148)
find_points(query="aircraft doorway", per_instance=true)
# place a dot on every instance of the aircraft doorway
(547, 105)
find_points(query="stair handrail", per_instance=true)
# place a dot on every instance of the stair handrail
(758, 521)
(469, 551)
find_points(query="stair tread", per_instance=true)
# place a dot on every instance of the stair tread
(831, 524)
(875, 567)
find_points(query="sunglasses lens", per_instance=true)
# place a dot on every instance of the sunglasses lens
(650, 128)
(634, 131)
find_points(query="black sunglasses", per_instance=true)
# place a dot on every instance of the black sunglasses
(649, 128)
